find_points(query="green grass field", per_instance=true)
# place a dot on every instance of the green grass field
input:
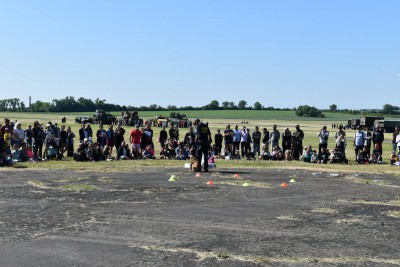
(217, 120)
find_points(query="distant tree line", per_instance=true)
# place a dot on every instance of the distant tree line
(70, 104)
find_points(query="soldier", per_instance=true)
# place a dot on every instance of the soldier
(286, 140)
(203, 141)
(297, 143)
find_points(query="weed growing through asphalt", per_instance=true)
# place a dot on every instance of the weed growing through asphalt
(79, 187)
(223, 255)
(393, 213)
(325, 210)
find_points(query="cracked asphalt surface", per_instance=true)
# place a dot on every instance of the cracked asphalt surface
(139, 218)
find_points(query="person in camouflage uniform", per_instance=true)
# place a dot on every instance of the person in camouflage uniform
(297, 142)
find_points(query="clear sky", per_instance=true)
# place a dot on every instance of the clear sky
(190, 52)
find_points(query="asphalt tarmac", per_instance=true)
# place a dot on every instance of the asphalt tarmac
(140, 218)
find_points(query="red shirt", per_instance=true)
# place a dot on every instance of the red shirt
(136, 136)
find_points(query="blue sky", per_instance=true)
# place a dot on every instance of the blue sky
(279, 53)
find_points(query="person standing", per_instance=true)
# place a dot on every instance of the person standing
(38, 137)
(70, 142)
(101, 135)
(82, 133)
(118, 136)
(172, 132)
(18, 135)
(358, 140)
(148, 136)
(394, 143)
(135, 138)
(236, 141)
(110, 138)
(323, 139)
(274, 137)
(218, 138)
(256, 138)
(286, 140)
(203, 141)
(298, 136)
(367, 142)
(162, 138)
(265, 139)
(340, 132)
(228, 136)
(29, 136)
(189, 138)
(377, 139)
(244, 140)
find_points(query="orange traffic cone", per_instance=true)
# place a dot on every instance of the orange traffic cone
(210, 182)
(284, 185)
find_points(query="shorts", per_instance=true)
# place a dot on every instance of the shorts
(136, 146)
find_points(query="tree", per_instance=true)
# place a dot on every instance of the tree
(214, 105)
(242, 104)
(257, 106)
(232, 105)
(225, 105)
(307, 111)
(389, 109)
(333, 107)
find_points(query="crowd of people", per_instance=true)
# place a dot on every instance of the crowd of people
(111, 142)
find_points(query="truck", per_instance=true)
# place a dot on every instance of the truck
(353, 123)
(387, 125)
(368, 121)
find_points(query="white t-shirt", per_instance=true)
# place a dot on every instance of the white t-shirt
(19, 134)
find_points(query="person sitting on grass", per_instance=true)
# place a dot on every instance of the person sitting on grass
(147, 153)
(324, 155)
(23, 154)
(376, 157)
(362, 156)
(393, 159)
(5, 160)
(136, 153)
(249, 155)
(123, 152)
(275, 155)
(227, 152)
(181, 155)
(264, 154)
(165, 153)
(15, 153)
(307, 153)
(314, 157)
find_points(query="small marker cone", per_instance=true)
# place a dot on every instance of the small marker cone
(292, 181)
(172, 179)
(210, 182)
(173, 176)
(284, 185)
(237, 175)
(246, 184)
(198, 174)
